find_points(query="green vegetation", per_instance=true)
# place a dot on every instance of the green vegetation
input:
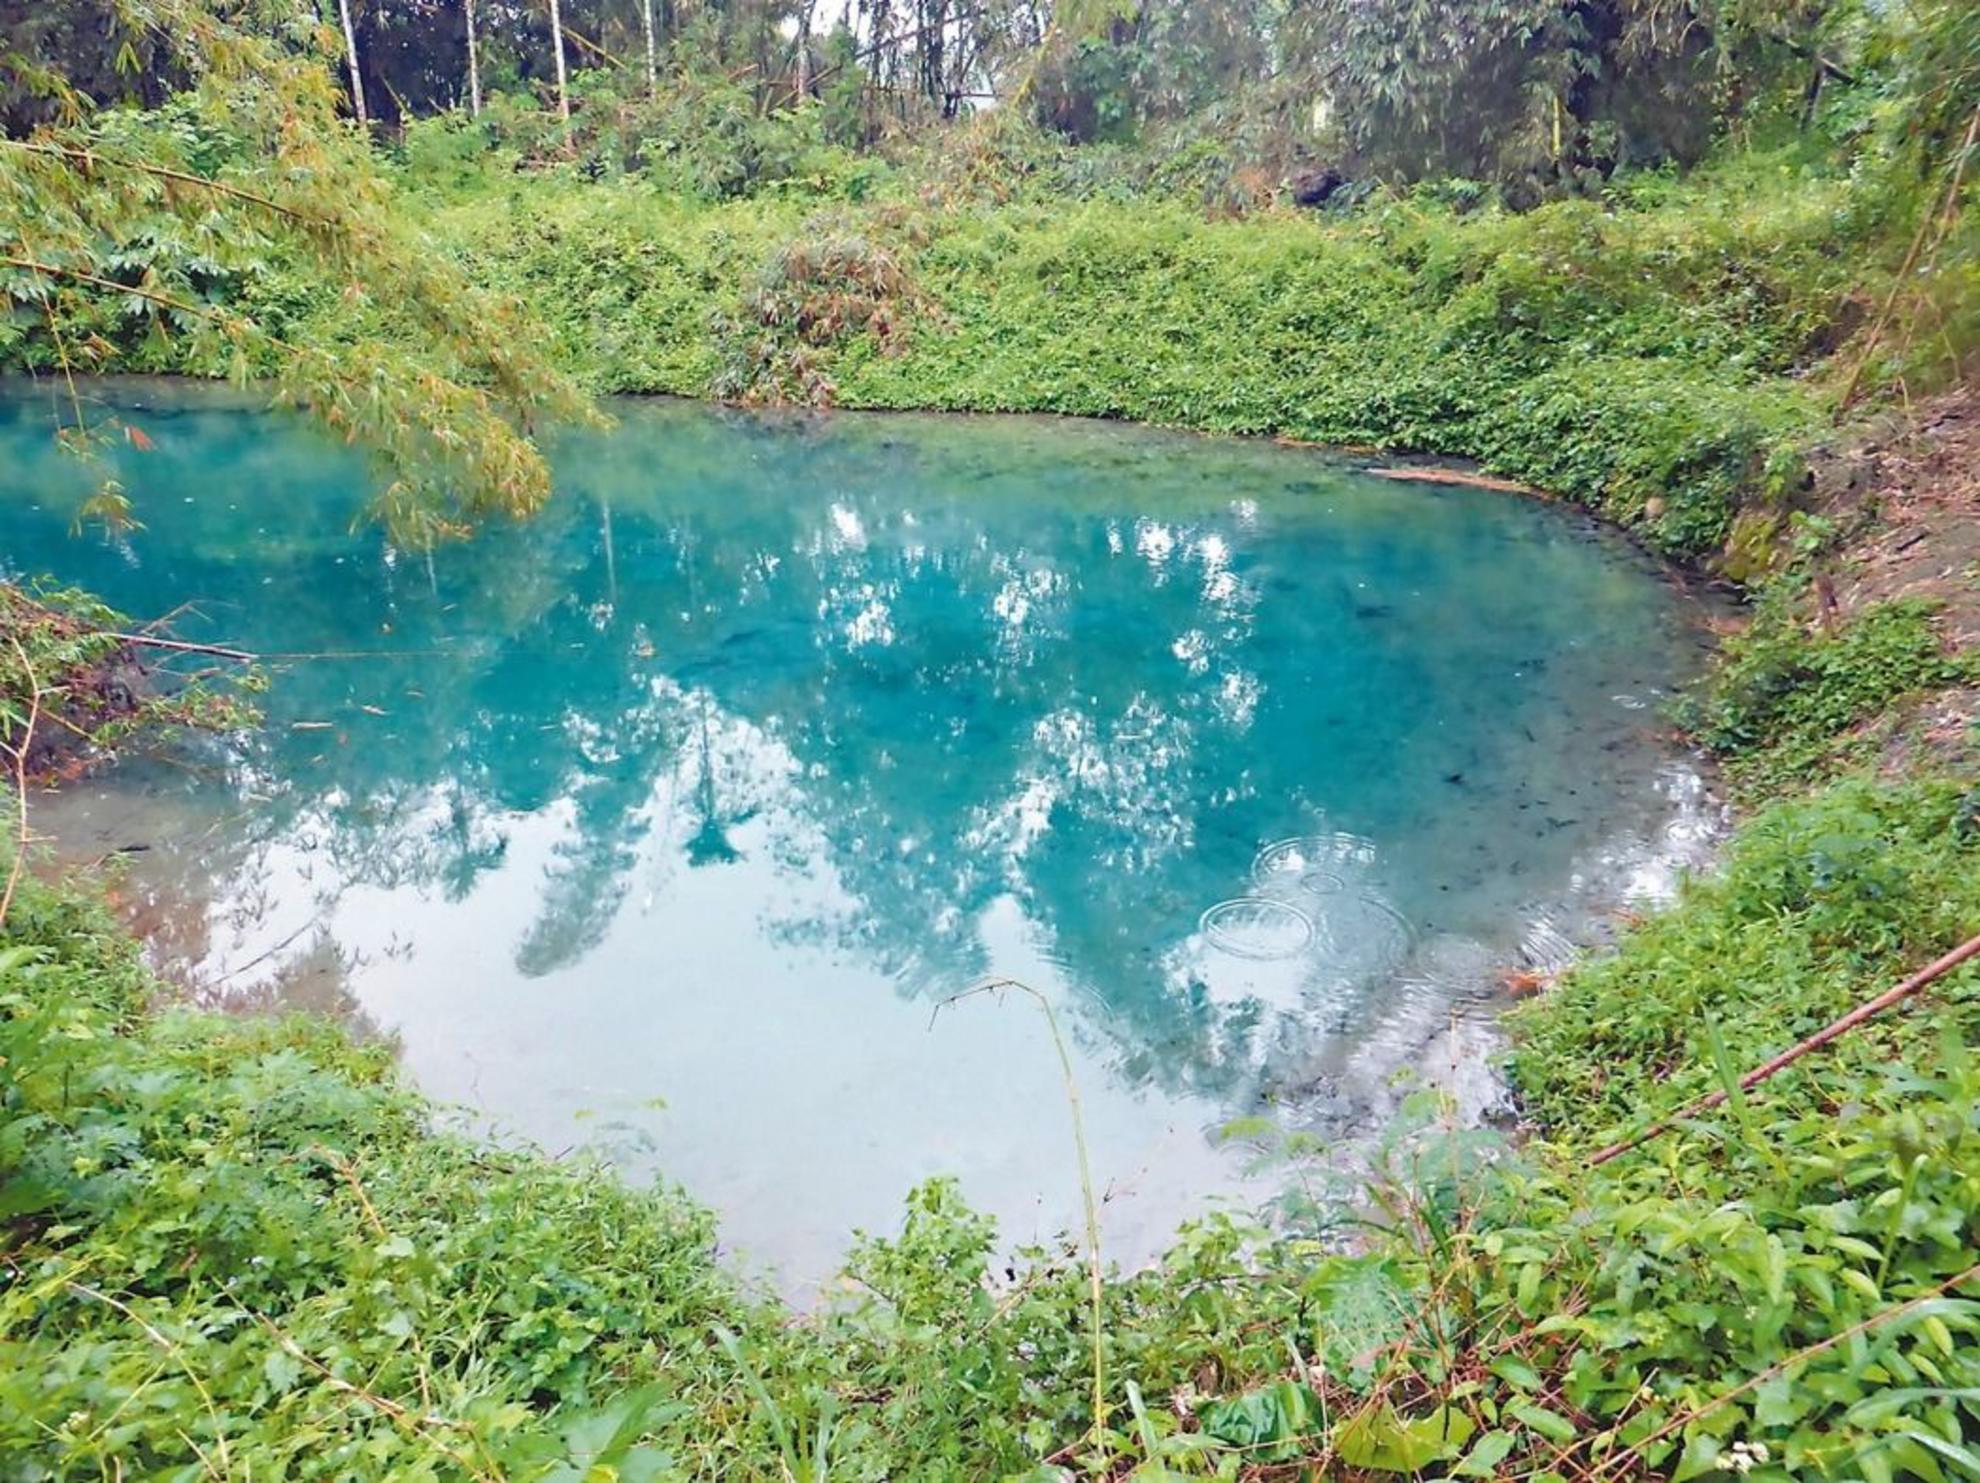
(1787, 704)
(1647, 362)
(235, 1249)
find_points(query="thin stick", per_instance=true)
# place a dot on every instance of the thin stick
(20, 753)
(1831, 1031)
(1882, 1316)
(180, 646)
(425, 1424)
(163, 1342)
(997, 985)
(262, 957)
(344, 1167)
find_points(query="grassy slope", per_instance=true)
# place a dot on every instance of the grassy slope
(1647, 361)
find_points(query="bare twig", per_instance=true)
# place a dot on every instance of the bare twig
(1831, 1031)
(164, 1342)
(18, 751)
(398, 1411)
(180, 646)
(1092, 1208)
(262, 957)
(344, 1167)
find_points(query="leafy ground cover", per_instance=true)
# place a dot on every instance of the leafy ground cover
(237, 1249)
(1650, 360)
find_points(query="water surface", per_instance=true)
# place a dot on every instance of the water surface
(665, 821)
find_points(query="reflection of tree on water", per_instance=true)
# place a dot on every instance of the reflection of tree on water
(709, 844)
(945, 705)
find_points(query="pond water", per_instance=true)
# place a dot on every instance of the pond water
(663, 823)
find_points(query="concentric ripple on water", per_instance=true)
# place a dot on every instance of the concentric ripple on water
(1257, 927)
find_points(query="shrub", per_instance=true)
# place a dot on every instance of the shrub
(1785, 703)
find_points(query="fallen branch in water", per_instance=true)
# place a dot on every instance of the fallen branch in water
(95, 687)
(180, 646)
(1870, 1008)
(1456, 476)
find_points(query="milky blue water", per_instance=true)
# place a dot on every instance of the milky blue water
(662, 822)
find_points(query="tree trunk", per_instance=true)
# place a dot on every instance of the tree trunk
(557, 50)
(474, 64)
(652, 50)
(804, 48)
(351, 60)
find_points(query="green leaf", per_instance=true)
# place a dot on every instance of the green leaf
(1272, 1424)
(1516, 1372)
(1550, 1424)
(1701, 1455)
(282, 1370)
(1483, 1460)
(1380, 1440)
(1963, 1458)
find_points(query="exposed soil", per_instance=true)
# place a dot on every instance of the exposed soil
(1921, 485)
(1906, 494)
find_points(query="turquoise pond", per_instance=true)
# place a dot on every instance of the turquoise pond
(661, 824)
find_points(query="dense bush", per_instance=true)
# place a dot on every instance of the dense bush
(1787, 701)
(820, 290)
(1651, 361)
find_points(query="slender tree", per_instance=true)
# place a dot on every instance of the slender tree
(351, 61)
(805, 8)
(652, 49)
(474, 63)
(557, 50)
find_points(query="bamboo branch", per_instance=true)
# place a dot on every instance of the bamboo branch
(1833, 1030)
(19, 752)
(90, 157)
(167, 301)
